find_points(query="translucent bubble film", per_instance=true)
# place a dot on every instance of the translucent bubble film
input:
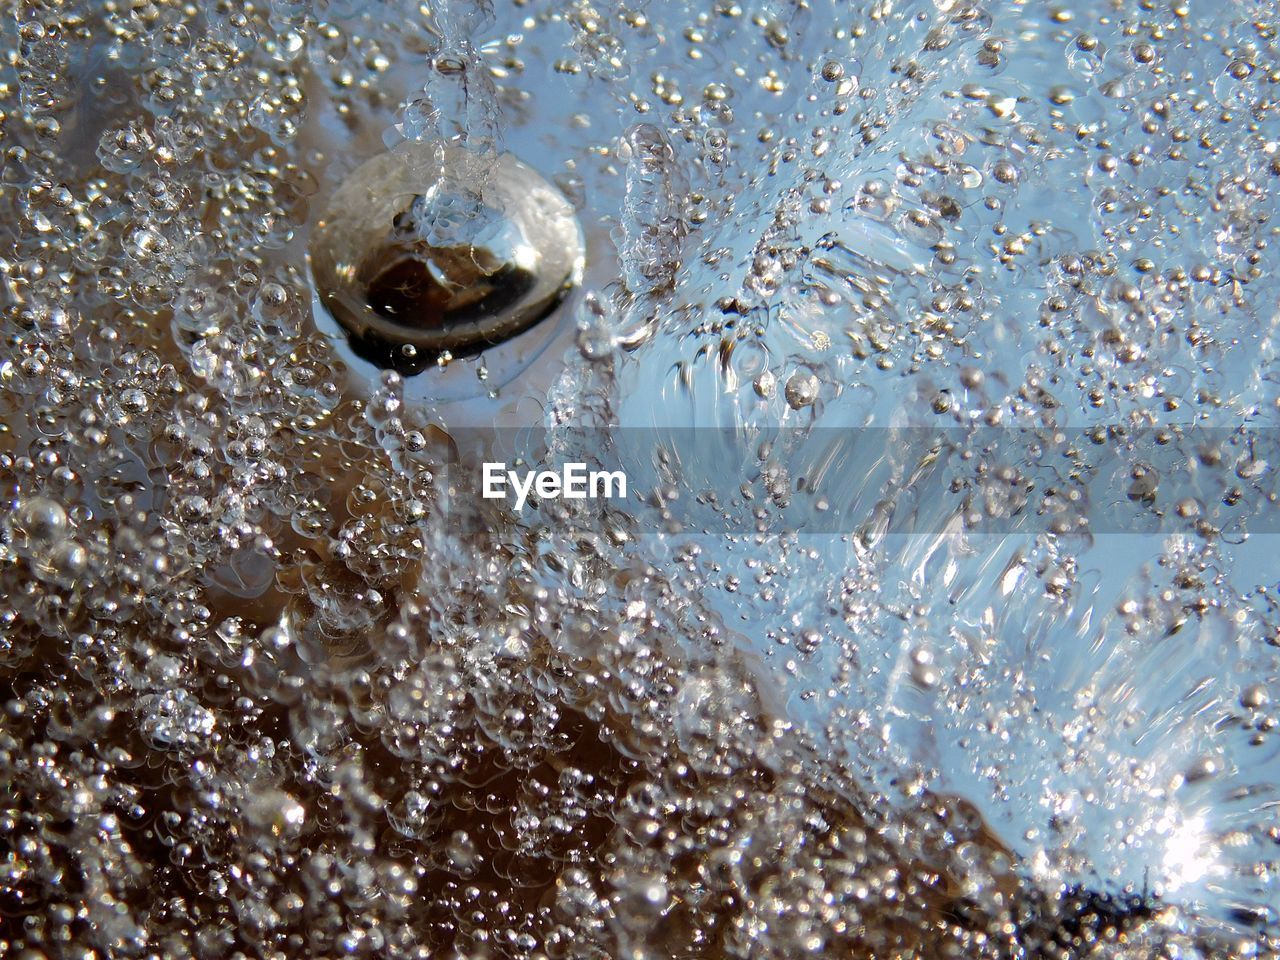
(640, 479)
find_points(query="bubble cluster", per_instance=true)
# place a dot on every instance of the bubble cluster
(937, 340)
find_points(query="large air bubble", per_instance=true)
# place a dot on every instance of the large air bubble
(417, 265)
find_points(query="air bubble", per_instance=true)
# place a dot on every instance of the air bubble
(802, 389)
(399, 267)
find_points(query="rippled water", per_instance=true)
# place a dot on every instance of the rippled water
(935, 340)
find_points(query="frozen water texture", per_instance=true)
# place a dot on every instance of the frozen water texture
(937, 340)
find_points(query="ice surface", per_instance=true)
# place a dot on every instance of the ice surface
(937, 341)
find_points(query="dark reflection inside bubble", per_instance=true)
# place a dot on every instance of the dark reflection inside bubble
(410, 291)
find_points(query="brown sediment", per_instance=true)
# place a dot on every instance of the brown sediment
(557, 793)
(733, 840)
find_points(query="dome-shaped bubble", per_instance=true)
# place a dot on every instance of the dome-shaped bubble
(416, 260)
